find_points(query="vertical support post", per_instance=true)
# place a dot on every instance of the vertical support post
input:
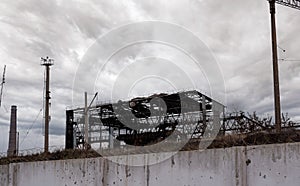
(100, 117)
(18, 143)
(223, 122)
(111, 139)
(100, 143)
(46, 145)
(204, 110)
(86, 121)
(275, 67)
(70, 140)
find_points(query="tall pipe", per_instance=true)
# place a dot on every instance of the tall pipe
(12, 144)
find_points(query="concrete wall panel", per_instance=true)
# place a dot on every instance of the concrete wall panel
(276, 164)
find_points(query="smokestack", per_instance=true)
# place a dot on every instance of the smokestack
(12, 144)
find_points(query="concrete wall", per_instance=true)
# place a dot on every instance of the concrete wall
(277, 164)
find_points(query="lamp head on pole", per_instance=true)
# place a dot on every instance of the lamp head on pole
(47, 61)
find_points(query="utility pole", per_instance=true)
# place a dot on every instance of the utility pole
(275, 67)
(292, 4)
(47, 62)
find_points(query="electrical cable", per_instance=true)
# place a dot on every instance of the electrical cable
(36, 118)
(28, 130)
(295, 60)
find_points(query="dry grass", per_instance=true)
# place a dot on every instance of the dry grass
(259, 138)
(57, 155)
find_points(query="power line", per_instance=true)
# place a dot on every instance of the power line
(296, 60)
(28, 130)
(283, 50)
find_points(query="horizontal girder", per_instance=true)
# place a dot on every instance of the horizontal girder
(289, 3)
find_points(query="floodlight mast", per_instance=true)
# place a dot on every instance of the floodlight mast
(47, 62)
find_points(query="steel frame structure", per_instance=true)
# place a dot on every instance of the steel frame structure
(145, 120)
(106, 130)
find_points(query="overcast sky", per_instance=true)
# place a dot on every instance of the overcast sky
(235, 32)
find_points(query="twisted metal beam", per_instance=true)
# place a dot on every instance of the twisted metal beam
(290, 3)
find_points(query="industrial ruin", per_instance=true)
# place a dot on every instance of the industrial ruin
(143, 120)
(164, 117)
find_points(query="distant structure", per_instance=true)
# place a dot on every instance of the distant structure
(12, 144)
(171, 118)
(47, 62)
(142, 120)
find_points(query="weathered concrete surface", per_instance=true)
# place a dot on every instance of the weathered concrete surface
(277, 164)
